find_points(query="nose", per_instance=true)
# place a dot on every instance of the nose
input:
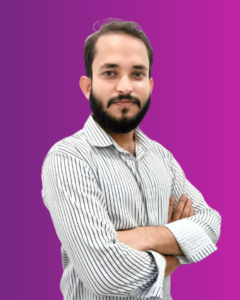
(124, 85)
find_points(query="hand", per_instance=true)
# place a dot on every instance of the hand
(183, 209)
(172, 264)
(158, 238)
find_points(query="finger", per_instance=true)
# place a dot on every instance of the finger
(186, 209)
(192, 213)
(170, 210)
(179, 208)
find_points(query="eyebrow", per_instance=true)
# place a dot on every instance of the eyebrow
(110, 65)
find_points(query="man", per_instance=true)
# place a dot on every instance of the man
(122, 208)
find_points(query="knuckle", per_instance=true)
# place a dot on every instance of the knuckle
(177, 210)
(182, 200)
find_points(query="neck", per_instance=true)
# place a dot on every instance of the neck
(124, 140)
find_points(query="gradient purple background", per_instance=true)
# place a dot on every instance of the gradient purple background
(194, 113)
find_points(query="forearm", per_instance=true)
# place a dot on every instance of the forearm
(163, 241)
(172, 264)
(156, 238)
(138, 238)
(141, 238)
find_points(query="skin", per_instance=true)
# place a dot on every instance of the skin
(123, 80)
(109, 82)
(159, 238)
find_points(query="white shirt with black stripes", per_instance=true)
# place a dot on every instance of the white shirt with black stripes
(92, 188)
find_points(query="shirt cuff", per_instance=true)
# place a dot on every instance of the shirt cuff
(192, 239)
(156, 288)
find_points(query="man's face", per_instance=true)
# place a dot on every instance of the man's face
(120, 90)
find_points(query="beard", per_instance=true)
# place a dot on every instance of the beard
(123, 124)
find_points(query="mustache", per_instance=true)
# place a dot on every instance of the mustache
(121, 97)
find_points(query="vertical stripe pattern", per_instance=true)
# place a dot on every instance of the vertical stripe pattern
(93, 188)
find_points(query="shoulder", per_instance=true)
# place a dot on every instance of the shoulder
(74, 146)
(159, 149)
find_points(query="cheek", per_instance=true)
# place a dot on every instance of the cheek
(101, 89)
(106, 90)
(142, 88)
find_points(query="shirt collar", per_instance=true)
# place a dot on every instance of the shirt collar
(98, 137)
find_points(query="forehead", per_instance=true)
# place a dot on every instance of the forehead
(121, 49)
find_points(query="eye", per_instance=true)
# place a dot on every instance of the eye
(139, 73)
(108, 73)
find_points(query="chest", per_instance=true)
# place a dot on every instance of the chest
(136, 191)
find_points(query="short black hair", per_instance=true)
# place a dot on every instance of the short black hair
(115, 26)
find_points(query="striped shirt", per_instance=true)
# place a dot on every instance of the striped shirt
(92, 188)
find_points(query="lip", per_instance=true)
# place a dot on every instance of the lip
(124, 102)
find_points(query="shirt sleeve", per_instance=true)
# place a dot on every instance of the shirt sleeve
(79, 214)
(197, 235)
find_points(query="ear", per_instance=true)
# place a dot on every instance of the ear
(151, 85)
(85, 85)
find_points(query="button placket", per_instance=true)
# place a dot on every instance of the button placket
(148, 199)
(129, 161)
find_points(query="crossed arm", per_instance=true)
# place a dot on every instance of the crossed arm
(160, 238)
(191, 233)
(76, 204)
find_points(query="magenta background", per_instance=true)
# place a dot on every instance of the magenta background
(194, 114)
